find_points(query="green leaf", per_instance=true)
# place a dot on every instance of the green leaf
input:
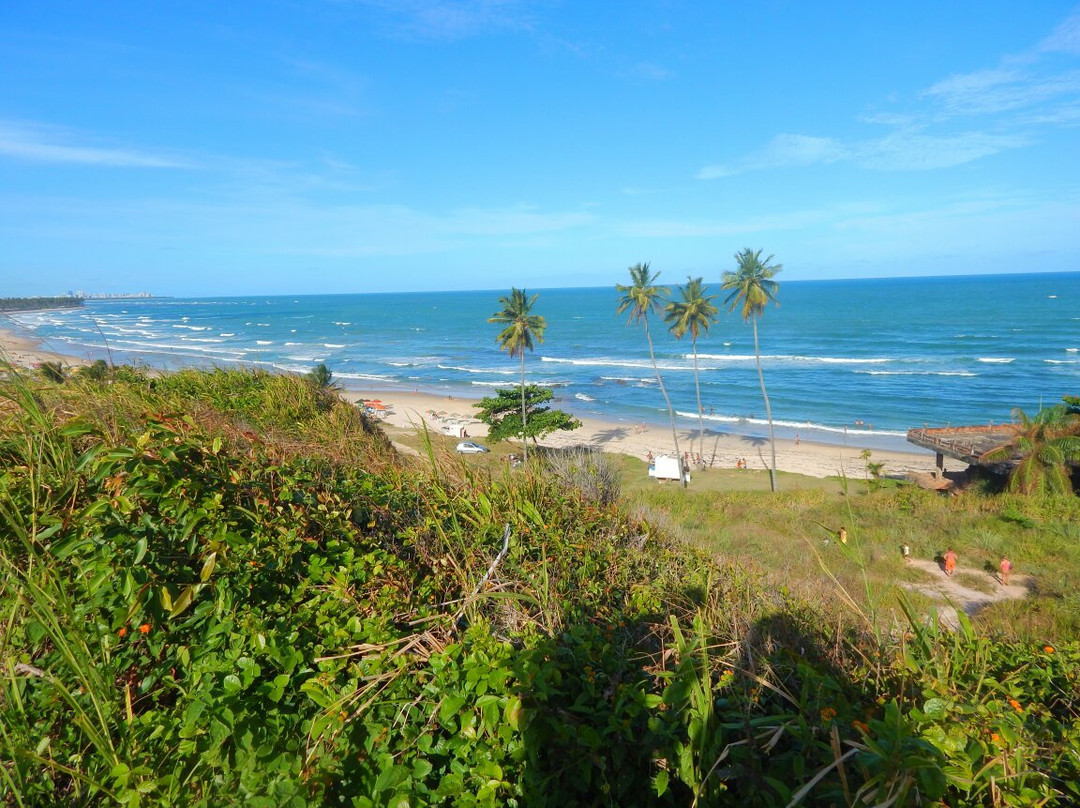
(208, 567)
(181, 605)
(935, 708)
(390, 778)
(660, 782)
(448, 710)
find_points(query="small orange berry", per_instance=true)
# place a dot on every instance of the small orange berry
(1048, 648)
(144, 628)
(122, 632)
(995, 737)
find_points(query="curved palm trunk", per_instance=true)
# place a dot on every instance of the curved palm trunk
(768, 409)
(663, 390)
(524, 435)
(700, 414)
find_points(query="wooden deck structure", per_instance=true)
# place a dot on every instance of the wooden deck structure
(965, 443)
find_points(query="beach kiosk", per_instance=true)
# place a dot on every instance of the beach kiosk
(667, 468)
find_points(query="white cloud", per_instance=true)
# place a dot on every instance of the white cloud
(453, 19)
(912, 151)
(41, 144)
(1065, 38)
(903, 150)
(1001, 90)
(1013, 100)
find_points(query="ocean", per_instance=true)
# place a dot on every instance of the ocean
(859, 360)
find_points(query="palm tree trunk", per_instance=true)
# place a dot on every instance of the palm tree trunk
(768, 409)
(524, 435)
(700, 415)
(671, 412)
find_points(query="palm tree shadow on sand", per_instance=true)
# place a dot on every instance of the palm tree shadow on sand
(612, 434)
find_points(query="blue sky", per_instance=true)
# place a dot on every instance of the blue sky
(206, 148)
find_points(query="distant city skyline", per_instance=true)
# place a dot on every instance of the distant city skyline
(366, 146)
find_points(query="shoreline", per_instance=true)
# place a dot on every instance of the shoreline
(449, 414)
(26, 351)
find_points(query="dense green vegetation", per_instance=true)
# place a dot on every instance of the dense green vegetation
(503, 414)
(225, 588)
(34, 303)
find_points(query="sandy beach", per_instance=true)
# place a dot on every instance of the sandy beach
(27, 352)
(456, 417)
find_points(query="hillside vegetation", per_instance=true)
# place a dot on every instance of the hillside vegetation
(226, 588)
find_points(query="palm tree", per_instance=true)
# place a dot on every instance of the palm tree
(1045, 445)
(521, 327)
(322, 377)
(751, 288)
(694, 313)
(640, 298)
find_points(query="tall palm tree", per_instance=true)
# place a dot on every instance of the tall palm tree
(1045, 444)
(693, 314)
(640, 298)
(751, 287)
(521, 327)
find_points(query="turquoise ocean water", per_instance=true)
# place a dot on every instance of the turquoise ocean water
(848, 359)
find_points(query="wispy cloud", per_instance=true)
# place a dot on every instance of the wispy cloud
(453, 19)
(45, 144)
(1003, 89)
(906, 149)
(1065, 38)
(964, 117)
(649, 71)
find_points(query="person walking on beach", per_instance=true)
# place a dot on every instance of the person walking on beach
(950, 562)
(1006, 570)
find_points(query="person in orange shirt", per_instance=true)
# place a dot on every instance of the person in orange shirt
(950, 562)
(1006, 570)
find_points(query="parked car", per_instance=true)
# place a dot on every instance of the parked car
(468, 447)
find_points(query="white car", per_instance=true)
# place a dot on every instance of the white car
(468, 447)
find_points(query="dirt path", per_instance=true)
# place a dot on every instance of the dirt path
(953, 596)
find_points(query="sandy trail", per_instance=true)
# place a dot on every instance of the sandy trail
(954, 597)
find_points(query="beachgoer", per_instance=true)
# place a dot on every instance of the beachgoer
(950, 562)
(649, 458)
(1006, 570)
(796, 438)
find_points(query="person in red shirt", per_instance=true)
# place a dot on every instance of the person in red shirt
(950, 562)
(1006, 570)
